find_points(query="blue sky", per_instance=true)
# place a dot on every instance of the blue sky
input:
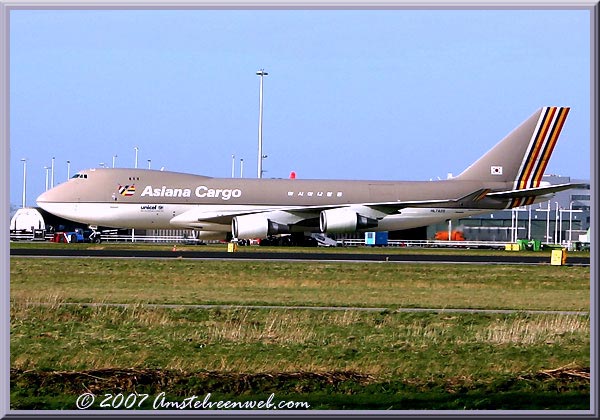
(391, 95)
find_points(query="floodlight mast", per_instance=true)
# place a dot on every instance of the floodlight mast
(46, 168)
(24, 160)
(52, 174)
(260, 73)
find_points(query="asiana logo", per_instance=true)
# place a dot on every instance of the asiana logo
(127, 190)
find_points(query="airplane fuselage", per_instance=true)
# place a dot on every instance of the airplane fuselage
(150, 199)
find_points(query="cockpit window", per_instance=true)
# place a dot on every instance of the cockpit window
(79, 176)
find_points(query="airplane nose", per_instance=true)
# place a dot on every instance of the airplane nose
(55, 201)
(43, 197)
(46, 197)
(44, 200)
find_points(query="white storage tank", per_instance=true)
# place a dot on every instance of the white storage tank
(27, 220)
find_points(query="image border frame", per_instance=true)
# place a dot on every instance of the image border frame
(7, 6)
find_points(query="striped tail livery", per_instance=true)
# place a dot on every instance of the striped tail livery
(521, 159)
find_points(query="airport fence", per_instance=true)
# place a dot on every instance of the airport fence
(28, 236)
(427, 243)
(187, 240)
(183, 239)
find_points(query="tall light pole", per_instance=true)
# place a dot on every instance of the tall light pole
(149, 161)
(46, 168)
(514, 224)
(547, 210)
(24, 180)
(241, 168)
(570, 221)
(233, 166)
(548, 223)
(52, 183)
(560, 217)
(556, 223)
(529, 224)
(262, 73)
(136, 164)
(114, 159)
(68, 169)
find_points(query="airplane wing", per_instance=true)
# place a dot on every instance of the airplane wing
(297, 214)
(391, 207)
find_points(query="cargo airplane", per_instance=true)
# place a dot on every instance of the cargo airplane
(509, 175)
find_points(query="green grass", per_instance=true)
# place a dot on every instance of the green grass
(384, 344)
(388, 285)
(251, 249)
(410, 353)
(332, 359)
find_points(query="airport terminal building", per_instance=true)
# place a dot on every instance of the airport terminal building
(562, 219)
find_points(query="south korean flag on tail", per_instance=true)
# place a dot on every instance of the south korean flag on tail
(496, 170)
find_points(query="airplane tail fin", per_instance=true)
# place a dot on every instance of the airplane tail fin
(522, 156)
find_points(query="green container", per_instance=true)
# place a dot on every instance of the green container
(522, 244)
(537, 245)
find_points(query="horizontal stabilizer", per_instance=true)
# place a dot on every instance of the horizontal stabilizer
(533, 192)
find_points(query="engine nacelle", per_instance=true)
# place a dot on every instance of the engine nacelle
(344, 220)
(258, 225)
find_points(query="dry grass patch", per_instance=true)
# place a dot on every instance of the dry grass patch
(281, 327)
(536, 330)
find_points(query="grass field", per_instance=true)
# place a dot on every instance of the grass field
(251, 249)
(307, 283)
(340, 359)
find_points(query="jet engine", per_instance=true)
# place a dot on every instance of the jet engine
(256, 226)
(344, 220)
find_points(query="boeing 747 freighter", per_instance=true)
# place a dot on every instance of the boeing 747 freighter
(509, 175)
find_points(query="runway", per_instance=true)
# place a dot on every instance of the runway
(456, 258)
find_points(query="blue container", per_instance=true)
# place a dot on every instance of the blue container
(376, 238)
